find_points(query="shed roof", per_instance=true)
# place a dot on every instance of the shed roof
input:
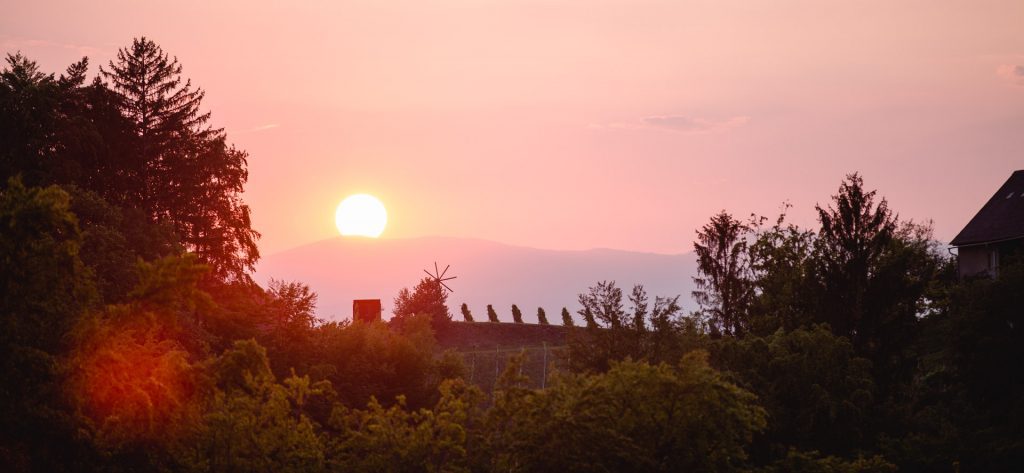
(1001, 219)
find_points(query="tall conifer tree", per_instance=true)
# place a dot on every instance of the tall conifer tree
(725, 285)
(854, 238)
(181, 171)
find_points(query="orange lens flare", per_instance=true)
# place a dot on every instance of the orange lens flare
(135, 381)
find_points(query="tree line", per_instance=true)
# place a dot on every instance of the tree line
(133, 339)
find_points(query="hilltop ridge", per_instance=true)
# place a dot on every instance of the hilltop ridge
(342, 269)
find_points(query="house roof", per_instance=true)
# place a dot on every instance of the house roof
(1001, 219)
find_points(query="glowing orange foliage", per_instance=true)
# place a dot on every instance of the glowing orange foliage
(133, 379)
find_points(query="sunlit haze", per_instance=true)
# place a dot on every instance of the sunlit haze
(579, 124)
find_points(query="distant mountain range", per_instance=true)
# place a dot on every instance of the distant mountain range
(342, 269)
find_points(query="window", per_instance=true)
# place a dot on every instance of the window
(993, 261)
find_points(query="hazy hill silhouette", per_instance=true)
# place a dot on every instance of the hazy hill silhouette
(343, 269)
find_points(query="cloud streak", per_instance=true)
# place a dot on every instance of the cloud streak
(1011, 72)
(257, 129)
(694, 125)
(683, 124)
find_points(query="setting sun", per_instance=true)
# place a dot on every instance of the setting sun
(361, 215)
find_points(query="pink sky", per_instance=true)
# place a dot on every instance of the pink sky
(580, 124)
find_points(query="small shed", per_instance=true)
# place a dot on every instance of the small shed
(366, 310)
(994, 233)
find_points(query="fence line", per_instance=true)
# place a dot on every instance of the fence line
(535, 367)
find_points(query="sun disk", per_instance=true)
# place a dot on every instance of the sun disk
(361, 215)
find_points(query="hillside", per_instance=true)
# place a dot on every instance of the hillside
(343, 269)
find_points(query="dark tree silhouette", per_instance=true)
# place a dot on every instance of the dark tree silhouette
(517, 315)
(427, 298)
(542, 317)
(855, 233)
(780, 260)
(603, 303)
(29, 101)
(724, 284)
(567, 320)
(639, 300)
(492, 316)
(588, 317)
(466, 314)
(181, 170)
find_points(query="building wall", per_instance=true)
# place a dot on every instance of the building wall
(366, 310)
(984, 260)
(973, 261)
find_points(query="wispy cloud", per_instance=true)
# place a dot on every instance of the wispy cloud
(682, 124)
(1011, 72)
(256, 129)
(685, 124)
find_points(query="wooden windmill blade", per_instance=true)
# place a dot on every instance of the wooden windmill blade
(439, 278)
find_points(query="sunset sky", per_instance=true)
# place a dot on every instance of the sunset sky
(580, 124)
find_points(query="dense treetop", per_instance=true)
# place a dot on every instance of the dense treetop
(137, 138)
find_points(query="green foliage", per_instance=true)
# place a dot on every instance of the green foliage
(492, 316)
(366, 360)
(398, 439)
(635, 417)
(517, 315)
(626, 335)
(172, 283)
(288, 314)
(293, 303)
(44, 283)
(612, 340)
(567, 318)
(965, 404)
(871, 277)
(542, 318)
(253, 423)
(813, 462)
(114, 239)
(450, 365)
(817, 392)
(44, 287)
(781, 260)
(467, 316)
(243, 367)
